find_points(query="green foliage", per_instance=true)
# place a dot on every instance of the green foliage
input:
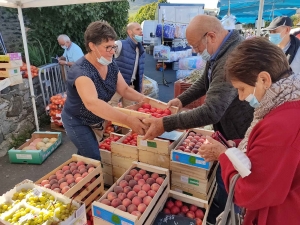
(47, 23)
(147, 12)
(137, 4)
(296, 19)
(19, 139)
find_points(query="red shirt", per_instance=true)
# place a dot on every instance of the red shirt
(271, 193)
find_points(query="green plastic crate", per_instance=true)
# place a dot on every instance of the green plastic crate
(34, 156)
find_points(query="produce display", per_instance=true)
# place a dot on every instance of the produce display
(65, 178)
(156, 112)
(34, 71)
(31, 206)
(40, 144)
(194, 76)
(106, 144)
(89, 217)
(55, 108)
(179, 208)
(131, 139)
(192, 143)
(134, 193)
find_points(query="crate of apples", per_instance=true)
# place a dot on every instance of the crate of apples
(180, 208)
(67, 177)
(134, 193)
(192, 143)
(106, 144)
(131, 139)
(155, 112)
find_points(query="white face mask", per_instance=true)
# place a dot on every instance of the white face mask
(64, 47)
(103, 61)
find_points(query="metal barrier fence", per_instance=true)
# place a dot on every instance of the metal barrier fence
(52, 79)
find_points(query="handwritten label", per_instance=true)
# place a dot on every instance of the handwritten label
(143, 143)
(201, 162)
(23, 156)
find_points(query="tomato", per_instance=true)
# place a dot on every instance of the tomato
(164, 114)
(158, 116)
(141, 110)
(125, 142)
(116, 138)
(160, 111)
(167, 111)
(146, 106)
(147, 110)
(153, 110)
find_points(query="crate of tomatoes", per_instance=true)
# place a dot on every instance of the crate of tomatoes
(55, 108)
(34, 70)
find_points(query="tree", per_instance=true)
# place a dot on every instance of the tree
(296, 19)
(46, 23)
(147, 12)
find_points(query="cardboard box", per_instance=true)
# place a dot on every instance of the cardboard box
(116, 216)
(190, 158)
(78, 217)
(16, 79)
(84, 194)
(8, 72)
(34, 156)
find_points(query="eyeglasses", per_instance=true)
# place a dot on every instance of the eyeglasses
(109, 48)
(194, 47)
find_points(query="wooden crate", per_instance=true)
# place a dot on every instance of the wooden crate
(192, 181)
(124, 150)
(120, 165)
(191, 159)
(190, 192)
(11, 60)
(131, 110)
(180, 87)
(79, 190)
(157, 145)
(110, 214)
(105, 154)
(9, 72)
(107, 174)
(154, 159)
(184, 198)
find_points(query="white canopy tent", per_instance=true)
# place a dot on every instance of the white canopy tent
(19, 4)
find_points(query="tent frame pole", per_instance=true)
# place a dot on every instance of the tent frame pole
(259, 21)
(20, 15)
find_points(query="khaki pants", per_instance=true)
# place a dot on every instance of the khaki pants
(118, 98)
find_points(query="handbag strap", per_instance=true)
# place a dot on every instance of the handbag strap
(229, 208)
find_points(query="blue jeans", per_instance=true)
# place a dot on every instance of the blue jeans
(82, 136)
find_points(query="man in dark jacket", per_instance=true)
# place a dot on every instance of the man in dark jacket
(222, 107)
(280, 35)
(130, 58)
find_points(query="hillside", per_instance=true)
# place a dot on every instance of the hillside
(135, 6)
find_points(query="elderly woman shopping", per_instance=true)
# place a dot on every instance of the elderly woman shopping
(92, 81)
(270, 194)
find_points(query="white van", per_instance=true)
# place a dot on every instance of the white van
(149, 29)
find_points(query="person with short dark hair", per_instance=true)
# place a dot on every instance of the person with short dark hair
(130, 58)
(270, 193)
(280, 35)
(91, 83)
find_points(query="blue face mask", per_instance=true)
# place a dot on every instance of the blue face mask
(276, 38)
(205, 55)
(253, 102)
(138, 38)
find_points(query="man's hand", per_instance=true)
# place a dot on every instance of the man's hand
(62, 62)
(175, 102)
(211, 149)
(137, 125)
(156, 128)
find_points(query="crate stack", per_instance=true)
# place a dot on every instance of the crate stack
(190, 174)
(10, 73)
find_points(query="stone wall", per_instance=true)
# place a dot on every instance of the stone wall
(16, 111)
(10, 30)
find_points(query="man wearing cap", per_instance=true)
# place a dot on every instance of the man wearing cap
(130, 57)
(280, 35)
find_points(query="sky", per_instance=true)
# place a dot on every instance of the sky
(209, 4)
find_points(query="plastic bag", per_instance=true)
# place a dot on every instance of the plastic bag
(228, 22)
(150, 87)
(180, 74)
(191, 63)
